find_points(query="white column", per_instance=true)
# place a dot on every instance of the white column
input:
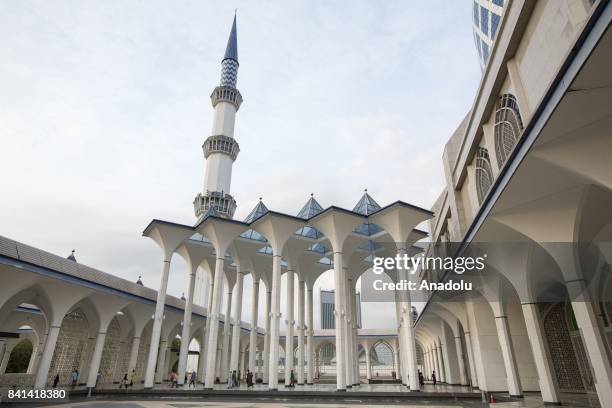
(348, 337)
(213, 336)
(594, 342)
(33, 357)
(309, 345)
(254, 317)
(186, 332)
(400, 371)
(396, 363)
(275, 322)
(39, 351)
(94, 367)
(353, 303)
(237, 319)
(289, 332)
(266, 348)
(339, 312)
(157, 323)
(541, 355)
(5, 358)
(368, 363)
(133, 355)
(505, 342)
(300, 319)
(165, 369)
(205, 335)
(47, 356)
(442, 373)
(161, 358)
(408, 328)
(470, 351)
(459, 348)
(226, 337)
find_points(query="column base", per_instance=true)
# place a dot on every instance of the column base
(517, 396)
(341, 390)
(349, 386)
(208, 388)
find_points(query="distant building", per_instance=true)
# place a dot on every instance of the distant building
(486, 16)
(328, 307)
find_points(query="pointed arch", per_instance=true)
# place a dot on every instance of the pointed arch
(484, 173)
(508, 126)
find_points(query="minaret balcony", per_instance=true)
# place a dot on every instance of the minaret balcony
(214, 202)
(221, 144)
(226, 94)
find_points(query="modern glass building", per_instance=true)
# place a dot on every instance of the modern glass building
(486, 17)
(328, 307)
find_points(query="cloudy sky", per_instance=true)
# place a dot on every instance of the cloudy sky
(104, 106)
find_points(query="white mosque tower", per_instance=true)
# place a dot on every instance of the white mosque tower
(221, 149)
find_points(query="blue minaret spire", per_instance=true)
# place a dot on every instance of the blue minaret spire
(220, 148)
(229, 64)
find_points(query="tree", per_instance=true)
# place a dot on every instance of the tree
(20, 357)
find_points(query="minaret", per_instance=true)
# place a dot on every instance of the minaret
(221, 149)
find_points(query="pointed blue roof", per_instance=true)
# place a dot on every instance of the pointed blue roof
(259, 210)
(310, 209)
(231, 51)
(366, 205)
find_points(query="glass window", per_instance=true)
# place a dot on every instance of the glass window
(485, 51)
(499, 3)
(508, 126)
(475, 13)
(484, 20)
(494, 24)
(484, 174)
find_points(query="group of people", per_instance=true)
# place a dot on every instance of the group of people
(234, 379)
(74, 378)
(128, 382)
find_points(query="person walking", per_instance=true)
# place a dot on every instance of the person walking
(291, 379)
(55, 380)
(421, 379)
(433, 377)
(132, 378)
(249, 379)
(124, 381)
(74, 378)
(230, 380)
(192, 380)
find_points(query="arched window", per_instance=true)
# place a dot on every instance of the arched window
(484, 174)
(508, 126)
